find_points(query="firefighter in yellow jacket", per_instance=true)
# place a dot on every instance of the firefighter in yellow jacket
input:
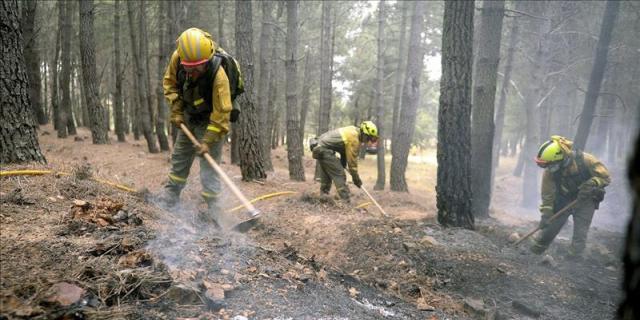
(569, 175)
(345, 141)
(201, 101)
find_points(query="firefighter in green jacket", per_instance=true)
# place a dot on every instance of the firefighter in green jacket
(207, 117)
(345, 141)
(569, 175)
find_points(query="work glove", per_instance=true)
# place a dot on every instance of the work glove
(591, 190)
(204, 148)
(356, 180)
(177, 119)
(176, 113)
(208, 140)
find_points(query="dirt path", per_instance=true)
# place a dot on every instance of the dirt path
(310, 258)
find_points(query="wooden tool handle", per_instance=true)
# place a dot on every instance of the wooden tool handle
(553, 217)
(222, 174)
(374, 202)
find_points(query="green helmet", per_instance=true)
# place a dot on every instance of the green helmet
(550, 152)
(369, 128)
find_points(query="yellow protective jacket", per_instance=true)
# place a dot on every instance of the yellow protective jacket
(345, 141)
(221, 96)
(566, 178)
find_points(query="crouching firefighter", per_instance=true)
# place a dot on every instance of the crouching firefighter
(345, 141)
(199, 94)
(569, 175)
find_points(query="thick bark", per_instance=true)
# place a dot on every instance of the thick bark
(629, 308)
(117, 96)
(595, 81)
(142, 91)
(453, 189)
(18, 137)
(484, 93)
(32, 60)
(504, 92)
(163, 54)
(326, 59)
(264, 108)
(294, 143)
(65, 110)
(55, 99)
(399, 79)
(380, 181)
(410, 98)
(251, 156)
(97, 122)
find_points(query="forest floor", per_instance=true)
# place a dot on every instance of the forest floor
(73, 248)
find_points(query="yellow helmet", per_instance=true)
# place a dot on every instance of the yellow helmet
(550, 152)
(369, 128)
(195, 47)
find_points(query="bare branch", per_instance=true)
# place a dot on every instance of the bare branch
(520, 13)
(545, 97)
(603, 93)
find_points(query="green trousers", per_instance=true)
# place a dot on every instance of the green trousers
(582, 214)
(184, 153)
(331, 170)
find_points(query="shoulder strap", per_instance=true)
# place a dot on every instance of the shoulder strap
(583, 171)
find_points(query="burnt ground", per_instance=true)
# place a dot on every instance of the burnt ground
(310, 258)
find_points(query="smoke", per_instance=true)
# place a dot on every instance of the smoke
(188, 241)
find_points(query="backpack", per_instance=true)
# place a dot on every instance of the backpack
(231, 68)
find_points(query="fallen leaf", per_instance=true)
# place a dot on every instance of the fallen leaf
(353, 292)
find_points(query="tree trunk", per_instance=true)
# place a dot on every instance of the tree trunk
(55, 99)
(294, 143)
(18, 137)
(152, 113)
(399, 80)
(410, 97)
(45, 86)
(595, 81)
(607, 112)
(32, 60)
(504, 92)
(272, 95)
(484, 93)
(453, 190)
(81, 108)
(221, 39)
(164, 51)
(82, 116)
(142, 114)
(326, 59)
(118, 104)
(380, 181)
(266, 44)
(305, 95)
(251, 156)
(76, 105)
(97, 122)
(66, 115)
(629, 308)
(533, 94)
